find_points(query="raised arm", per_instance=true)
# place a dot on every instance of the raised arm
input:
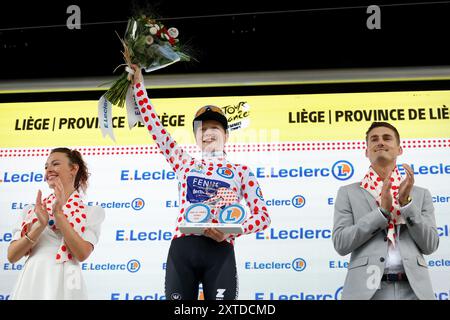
(174, 154)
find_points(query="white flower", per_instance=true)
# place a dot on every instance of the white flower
(153, 30)
(149, 40)
(173, 32)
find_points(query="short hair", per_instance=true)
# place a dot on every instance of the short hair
(382, 124)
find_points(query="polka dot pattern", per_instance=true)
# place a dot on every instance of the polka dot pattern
(75, 217)
(439, 144)
(242, 183)
(374, 185)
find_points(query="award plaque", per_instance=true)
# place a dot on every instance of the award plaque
(198, 213)
(197, 216)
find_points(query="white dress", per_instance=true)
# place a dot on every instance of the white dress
(41, 278)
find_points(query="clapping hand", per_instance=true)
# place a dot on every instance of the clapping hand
(40, 211)
(386, 197)
(406, 185)
(59, 194)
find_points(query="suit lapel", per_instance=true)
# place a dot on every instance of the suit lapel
(370, 199)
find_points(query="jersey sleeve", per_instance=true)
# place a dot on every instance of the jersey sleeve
(176, 156)
(258, 218)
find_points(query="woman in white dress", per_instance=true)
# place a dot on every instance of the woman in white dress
(56, 233)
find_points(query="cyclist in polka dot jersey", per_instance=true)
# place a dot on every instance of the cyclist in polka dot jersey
(201, 181)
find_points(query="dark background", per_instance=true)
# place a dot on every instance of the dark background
(279, 35)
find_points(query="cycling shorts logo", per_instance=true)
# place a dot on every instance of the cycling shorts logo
(220, 294)
(175, 296)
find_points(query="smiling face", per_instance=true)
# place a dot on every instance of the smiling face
(59, 166)
(382, 146)
(211, 136)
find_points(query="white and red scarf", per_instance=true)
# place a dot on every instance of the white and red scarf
(373, 184)
(75, 212)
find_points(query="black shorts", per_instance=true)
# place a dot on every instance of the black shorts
(198, 259)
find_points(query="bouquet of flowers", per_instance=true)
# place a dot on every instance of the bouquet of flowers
(151, 46)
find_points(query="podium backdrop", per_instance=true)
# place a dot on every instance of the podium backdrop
(302, 148)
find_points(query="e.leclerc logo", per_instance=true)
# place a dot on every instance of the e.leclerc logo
(131, 266)
(138, 204)
(299, 233)
(341, 170)
(300, 295)
(138, 175)
(26, 177)
(135, 204)
(297, 201)
(123, 235)
(225, 173)
(232, 214)
(298, 265)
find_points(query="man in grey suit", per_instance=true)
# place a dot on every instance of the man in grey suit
(387, 224)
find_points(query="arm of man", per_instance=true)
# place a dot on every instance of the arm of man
(421, 223)
(419, 219)
(348, 235)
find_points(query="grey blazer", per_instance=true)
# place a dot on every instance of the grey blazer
(360, 229)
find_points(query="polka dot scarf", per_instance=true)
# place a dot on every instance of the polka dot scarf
(75, 212)
(373, 184)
